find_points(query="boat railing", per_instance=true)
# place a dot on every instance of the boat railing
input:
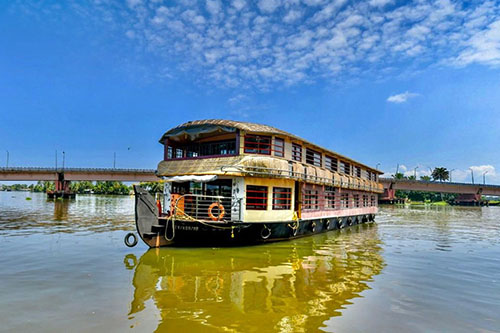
(282, 173)
(208, 208)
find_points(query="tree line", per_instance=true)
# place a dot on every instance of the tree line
(84, 187)
(438, 174)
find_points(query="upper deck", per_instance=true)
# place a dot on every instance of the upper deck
(225, 147)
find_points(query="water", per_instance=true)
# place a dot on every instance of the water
(64, 267)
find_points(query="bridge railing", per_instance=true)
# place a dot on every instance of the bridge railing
(90, 170)
(410, 181)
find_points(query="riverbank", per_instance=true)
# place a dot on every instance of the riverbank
(420, 203)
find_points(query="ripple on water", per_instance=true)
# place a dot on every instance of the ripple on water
(415, 270)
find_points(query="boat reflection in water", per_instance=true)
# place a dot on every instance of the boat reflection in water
(294, 285)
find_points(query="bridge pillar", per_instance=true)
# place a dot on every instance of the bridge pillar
(62, 189)
(469, 200)
(389, 194)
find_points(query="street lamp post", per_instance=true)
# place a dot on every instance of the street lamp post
(114, 160)
(7, 164)
(472, 175)
(376, 167)
(484, 177)
(64, 157)
(415, 172)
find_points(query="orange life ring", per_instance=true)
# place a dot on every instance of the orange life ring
(221, 211)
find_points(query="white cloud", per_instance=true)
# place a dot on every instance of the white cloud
(483, 47)
(239, 4)
(213, 6)
(268, 6)
(313, 2)
(133, 3)
(479, 170)
(380, 3)
(292, 15)
(401, 98)
(277, 43)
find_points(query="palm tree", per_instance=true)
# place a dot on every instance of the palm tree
(425, 178)
(440, 174)
(399, 175)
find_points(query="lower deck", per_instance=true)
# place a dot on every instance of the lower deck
(170, 232)
(254, 199)
(247, 210)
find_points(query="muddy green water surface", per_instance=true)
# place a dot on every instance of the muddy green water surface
(64, 268)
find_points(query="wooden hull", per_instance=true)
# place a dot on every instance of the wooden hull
(189, 233)
(158, 232)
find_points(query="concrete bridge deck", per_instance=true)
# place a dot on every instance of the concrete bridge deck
(77, 174)
(145, 175)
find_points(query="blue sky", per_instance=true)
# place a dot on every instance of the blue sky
(382, 81)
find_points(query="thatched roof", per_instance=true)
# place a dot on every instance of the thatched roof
(256, 128)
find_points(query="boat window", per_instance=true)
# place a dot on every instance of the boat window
(313, 157)
(344, 200)
(331, 163)
(373, 201)
(179, 153)
(365, 200)
(258, 144)
(311, 200)
(356, 200)
(282, 198)
(198, 149)
(256, 197)
(279, 147)
(358, 172)
(330, 196)
(296, 152)
(345, 168)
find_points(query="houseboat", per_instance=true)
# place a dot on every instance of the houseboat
(233, 183)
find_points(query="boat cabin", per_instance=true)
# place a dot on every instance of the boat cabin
(227, 171)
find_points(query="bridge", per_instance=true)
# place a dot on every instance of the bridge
(468, 192)
(77, 174)
(63, 176)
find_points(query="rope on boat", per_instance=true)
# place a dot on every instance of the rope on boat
(170, 218)
(192, 219)
(295, 227)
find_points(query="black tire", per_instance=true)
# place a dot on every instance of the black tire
(127, 239)
(265, 232)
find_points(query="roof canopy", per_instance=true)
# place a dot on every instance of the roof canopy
(200, 128)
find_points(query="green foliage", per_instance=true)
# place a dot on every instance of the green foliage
(153, 187)
(426, 178)
(76, 187)
(43, 187)
(399, 175)
(110, 188)
(440, 174)
(420, 196)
